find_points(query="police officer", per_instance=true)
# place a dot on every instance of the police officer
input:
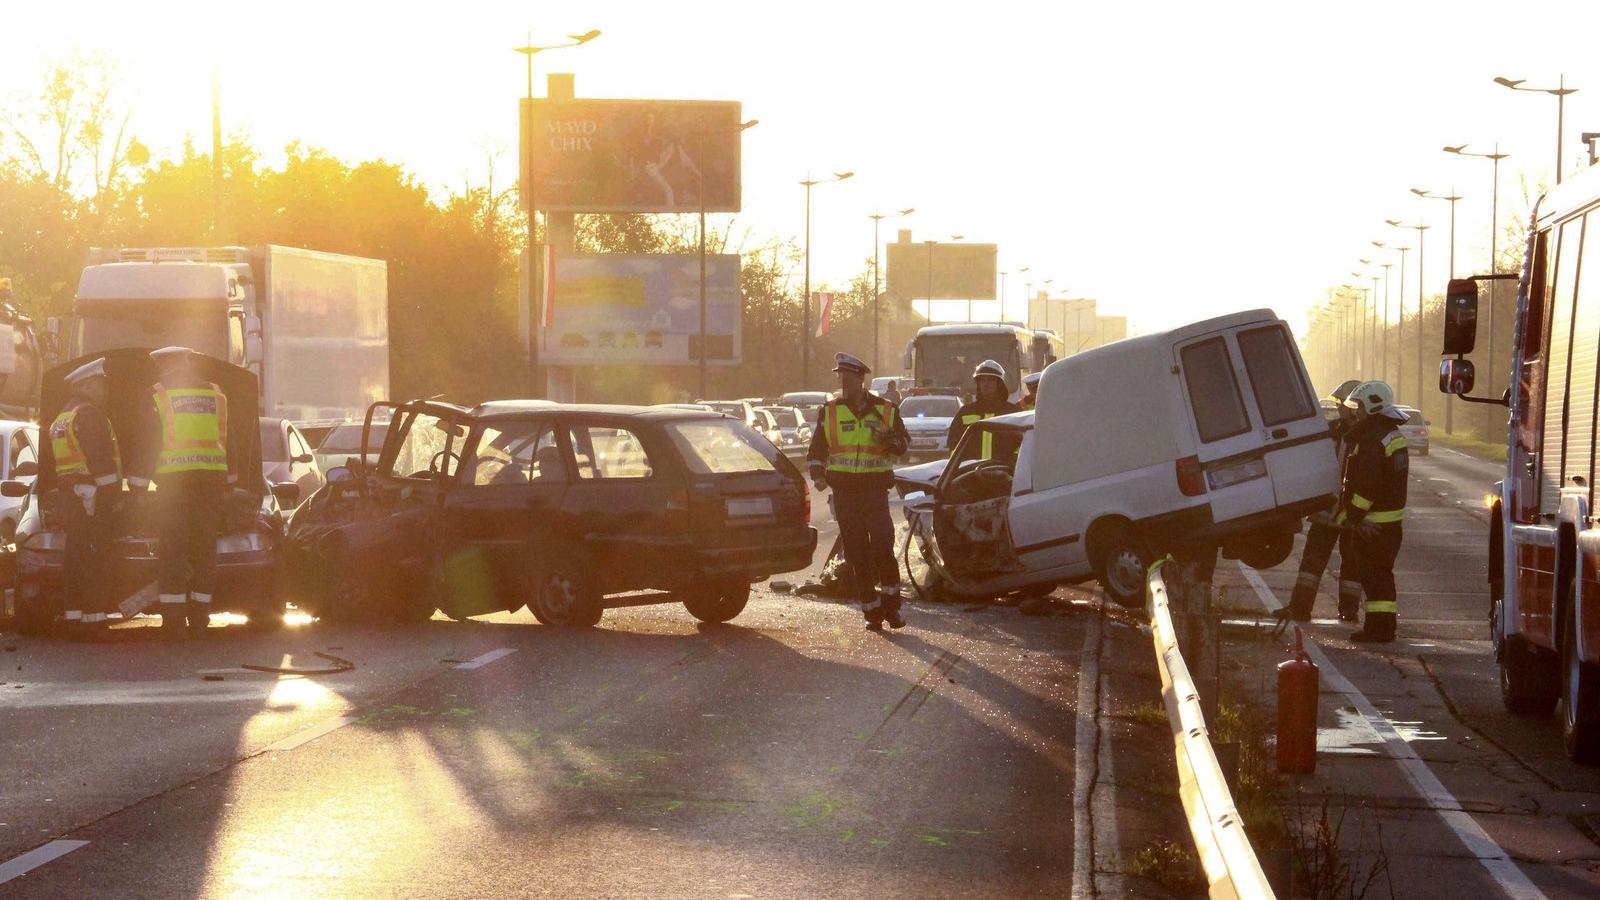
(993, 399)
(88, 487)
(192, 472)
(1030, 388)
(853, 447)
(1373, 503)
(1324, 534)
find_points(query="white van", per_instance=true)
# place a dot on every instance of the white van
(1207, 433)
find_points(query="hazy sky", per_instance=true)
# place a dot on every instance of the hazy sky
(1174, 160)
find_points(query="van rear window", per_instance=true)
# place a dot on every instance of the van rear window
(1269, 358)
(1213, 391)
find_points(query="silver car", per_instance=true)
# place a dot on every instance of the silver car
(1415, 429)
(927, 418)
(19, 463)
(794, 431)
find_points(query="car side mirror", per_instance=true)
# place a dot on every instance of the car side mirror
(1460, 317)
(1457, 376)
(304, 458)
(26, 469)
(339, 474)
(13, 489)
(288, 493)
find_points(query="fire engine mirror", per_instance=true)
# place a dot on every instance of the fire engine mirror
(1460, 316)
(1457, 376)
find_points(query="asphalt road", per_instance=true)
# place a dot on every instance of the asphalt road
(1471, 801)
(790, 753)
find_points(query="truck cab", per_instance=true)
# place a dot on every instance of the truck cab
(194, 297)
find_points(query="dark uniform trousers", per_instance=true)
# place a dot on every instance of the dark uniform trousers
(191, 518)
(1321, 538)
(1374, 561)
(867, 530)
(82, 561)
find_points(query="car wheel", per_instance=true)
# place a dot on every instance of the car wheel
(1580, 695)
(717, 603)
(566, 596)
(1122, 567)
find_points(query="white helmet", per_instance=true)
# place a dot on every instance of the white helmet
(1375, 398)
(991, 368)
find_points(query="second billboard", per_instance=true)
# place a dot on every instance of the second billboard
(642, 309)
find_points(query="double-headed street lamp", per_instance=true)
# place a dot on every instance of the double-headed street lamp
(1421, 280)
(1400, 320)
(700, 156)
(1494, 208)
(876, 247)
(805, 323)
(1452, 198)
(1364, 323)
(534, 283)
(1560, 93)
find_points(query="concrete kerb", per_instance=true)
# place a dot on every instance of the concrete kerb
(1229, 861)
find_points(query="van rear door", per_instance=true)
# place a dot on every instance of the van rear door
(1236, 477)
(1300, 456)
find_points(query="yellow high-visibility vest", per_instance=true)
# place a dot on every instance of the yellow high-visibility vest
(71, 461)
(194, 429)
(968, 420)
(852, 446)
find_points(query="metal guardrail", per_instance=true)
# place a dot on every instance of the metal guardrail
(1231, 867)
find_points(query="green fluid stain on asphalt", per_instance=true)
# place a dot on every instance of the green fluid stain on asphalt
(814, 810)
(846, 836)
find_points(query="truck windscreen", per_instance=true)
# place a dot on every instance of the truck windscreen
(152, 324)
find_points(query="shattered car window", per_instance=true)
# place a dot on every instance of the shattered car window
(425, 448)
(609, 453)
(517, 453)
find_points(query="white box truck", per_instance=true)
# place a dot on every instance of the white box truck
(314, 327)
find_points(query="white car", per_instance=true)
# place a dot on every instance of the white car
(19, 465)
(1210, 432)
(344, 442)
(1415, 429)
(927, 418)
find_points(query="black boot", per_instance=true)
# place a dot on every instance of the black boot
(199, 615)
(1349, 601)
(1378, 629)
(889, 600)
(1292, 612)
(172, 624)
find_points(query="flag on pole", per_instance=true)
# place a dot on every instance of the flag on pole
(549, 284)
(825, 317)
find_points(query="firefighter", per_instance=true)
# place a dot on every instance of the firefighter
(192, 474)
(1324, 534)
(88, 487)
(993, 399)
(1030, 386)
(1373, 503)
(853, 447)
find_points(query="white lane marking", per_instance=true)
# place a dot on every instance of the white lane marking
(306, 736)
(478, 662)
(1489, 854)
(1085, 747)
(33, 859)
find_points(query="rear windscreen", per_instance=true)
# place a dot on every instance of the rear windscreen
(1269, 358)
(722, 447)
(1213, 391)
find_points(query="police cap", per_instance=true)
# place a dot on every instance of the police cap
(844, 362)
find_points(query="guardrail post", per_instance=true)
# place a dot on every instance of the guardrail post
(1190, 589)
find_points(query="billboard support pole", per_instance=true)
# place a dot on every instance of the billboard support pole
(703, 393)
(805, 320)
(561, 382)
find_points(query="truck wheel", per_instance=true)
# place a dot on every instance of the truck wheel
(1122, 567)
(1527, 679)
(1580, 695)
(717, 603)
(566, 596)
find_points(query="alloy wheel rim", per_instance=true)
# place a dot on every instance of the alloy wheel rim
(557, 597)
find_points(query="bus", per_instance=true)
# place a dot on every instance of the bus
(1047, 348)
(1543, 541)
(941, 357)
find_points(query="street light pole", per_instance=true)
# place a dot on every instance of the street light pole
(877, 315)
(1400, 324)
(535, 294)
(1560, 92)
(805, 319)
(700, 155)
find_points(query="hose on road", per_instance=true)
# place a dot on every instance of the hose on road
(339, 666)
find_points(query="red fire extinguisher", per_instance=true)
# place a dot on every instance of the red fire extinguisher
(1297, 711)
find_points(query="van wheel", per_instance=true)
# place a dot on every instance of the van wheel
(1122, 567)
(1268, 553)
(1580, 695)
(717, 603)
(566, 596)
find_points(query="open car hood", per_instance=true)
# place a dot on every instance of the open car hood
(922, 477)
(132, 374)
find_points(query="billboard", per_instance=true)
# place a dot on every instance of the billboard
(641, 309)
(631, 156)
(958, 271)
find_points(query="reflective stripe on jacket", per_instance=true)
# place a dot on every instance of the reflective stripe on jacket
(194, 429)
(852, 446)
(72, 459)
(1375, 474)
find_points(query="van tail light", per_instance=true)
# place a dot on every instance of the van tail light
(1422, 432)
(1191, 478)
